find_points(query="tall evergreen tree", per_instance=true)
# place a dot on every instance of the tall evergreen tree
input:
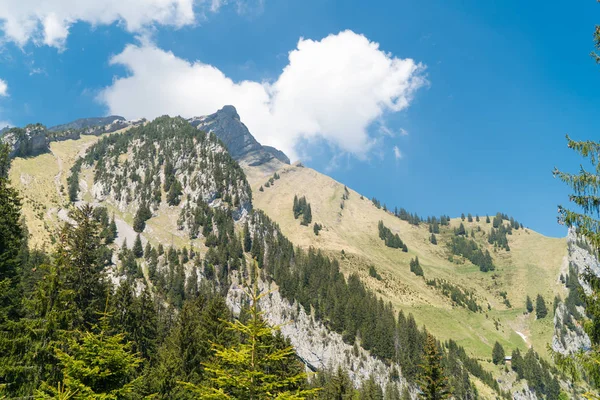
(498, 354)
(137, 248)
(240, 372)
(247, 238)
(540, 307)
(529, 304)
(432, 381)
(95, 366)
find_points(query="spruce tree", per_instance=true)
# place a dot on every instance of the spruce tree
(247, 238)
(432, 380)
(529, 304)
(239, 371)
(433, 239)
(540, 307)
(11, 241)
(498, 354)
(95, 366)
(137, 248)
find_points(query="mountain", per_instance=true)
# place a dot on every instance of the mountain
(87, 123)
(345, 294)
(228, 127)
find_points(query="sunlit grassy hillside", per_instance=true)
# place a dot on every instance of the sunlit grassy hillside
(350, 231)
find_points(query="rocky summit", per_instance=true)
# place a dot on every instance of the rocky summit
(240, 143)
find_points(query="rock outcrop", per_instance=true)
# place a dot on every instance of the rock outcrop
(317, 346)
(240, 143)
(28, 141)
(569, 335)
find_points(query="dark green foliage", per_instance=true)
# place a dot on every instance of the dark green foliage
(137, 249)
(433, 239)
(461, 297)
(142, 214)
(540, 307)
(373, 273)
(247, 238)
(487, 219)
(469, 249)
(415, 267)
(404, 215)
(529, 304)
(516, 363)
(498, 354)
(460, 231)
(497, 237)
(391, 240)
(302, 207)
(73, 184)
(432, 380)
(469, 218)
(317, 228)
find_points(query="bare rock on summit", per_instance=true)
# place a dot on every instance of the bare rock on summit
(240, 143)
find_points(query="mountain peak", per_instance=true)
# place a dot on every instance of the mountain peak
(229, 111)
(240, 143)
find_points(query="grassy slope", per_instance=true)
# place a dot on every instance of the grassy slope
(531, 267)
(42, 182)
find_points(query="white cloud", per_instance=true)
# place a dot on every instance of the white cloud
(47, 22)
(332, 89)
(3, 88)
(403, 132)
(397, 153)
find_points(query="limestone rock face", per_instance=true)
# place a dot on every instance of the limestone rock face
(240, 143)
(570, 337)
(318, 347)
(28, 141)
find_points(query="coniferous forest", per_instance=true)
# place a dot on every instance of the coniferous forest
(92, 319)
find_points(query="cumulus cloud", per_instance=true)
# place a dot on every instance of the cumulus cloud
(47, 22)
(3, 88)
(397, 153)
(331, 89)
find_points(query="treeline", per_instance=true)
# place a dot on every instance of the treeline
(391, 239)
(164, 157)
(348, 307)
(469, 249)
(461, 297)
(302, 208)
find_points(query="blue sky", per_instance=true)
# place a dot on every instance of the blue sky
(495, 87)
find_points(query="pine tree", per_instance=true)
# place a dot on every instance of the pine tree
(11, 239)
(247, 238)
(433, 239)
(112, 231)
(432, 381)
(540, 307)
(498, 354)
(95, 366)
(487, 219)
(11, 242)
(307, 216)
(529, 304)
(240, 372)
(137, 249)
(370, 390)
(516, 363)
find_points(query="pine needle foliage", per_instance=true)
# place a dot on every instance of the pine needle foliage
(586, 187)
(241, 370)
(433, 382)
(94, 365)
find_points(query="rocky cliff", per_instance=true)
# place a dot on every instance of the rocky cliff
(240, 143)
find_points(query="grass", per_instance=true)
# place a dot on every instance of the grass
(531, 267)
